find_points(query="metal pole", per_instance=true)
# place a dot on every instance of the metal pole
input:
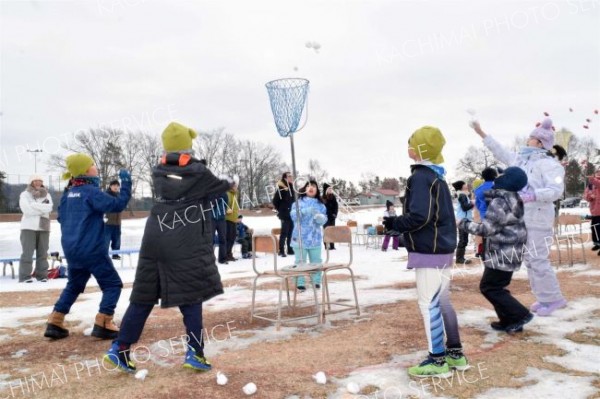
(296, 201)
(35, 152)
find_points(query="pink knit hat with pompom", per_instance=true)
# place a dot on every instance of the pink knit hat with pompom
(544, 133)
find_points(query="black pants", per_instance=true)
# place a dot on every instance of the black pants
(220, 228)
(493, 287)
(135, 318)
(596, 229)
(246, 243)
(330, 222)
(231, 234)
(285, 239)
(463, 240)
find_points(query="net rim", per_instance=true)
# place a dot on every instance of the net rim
(294, 83)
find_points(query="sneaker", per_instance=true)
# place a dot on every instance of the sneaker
(431, 367)
(224, 262)
(43, 280)
(596, 247)
(29, 280)
(290, 251)
(498, 326)
(518, 326)
(301, 288)
(230, 258)
(116, 257)
(282, 254)
(119, 358)
(196, 362)
(463, 261)
(457, 360)
(317, 286)
(535, 307)
(548, 308)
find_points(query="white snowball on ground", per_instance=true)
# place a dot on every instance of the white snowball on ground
(308, 44)
(249, 388)
(221, 378)
(471, 111)
(88, 331)
(353, 388)
(320, 378)
(141, 374)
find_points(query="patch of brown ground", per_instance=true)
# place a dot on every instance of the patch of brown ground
(38, 298)
(285, 367)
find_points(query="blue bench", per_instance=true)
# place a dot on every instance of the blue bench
(9, 262)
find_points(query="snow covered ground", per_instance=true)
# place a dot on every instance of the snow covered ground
(376, 271)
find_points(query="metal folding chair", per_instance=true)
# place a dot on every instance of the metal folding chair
(268, 244)
(341, 235)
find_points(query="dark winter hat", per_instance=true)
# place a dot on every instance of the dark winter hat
(458, 185)
(388, 203)
(240, 217)
(114, 182)
(489, 174)
(513, 179)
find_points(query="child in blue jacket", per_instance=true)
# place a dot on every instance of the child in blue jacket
(81, 217)
(313, 215)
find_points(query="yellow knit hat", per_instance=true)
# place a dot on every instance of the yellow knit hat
(177, 137)
(427, 142)
(77, 165)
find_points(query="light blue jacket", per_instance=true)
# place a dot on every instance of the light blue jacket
(313, 215)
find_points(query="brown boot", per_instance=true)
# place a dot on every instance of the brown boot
(104, 327)
(55, 327)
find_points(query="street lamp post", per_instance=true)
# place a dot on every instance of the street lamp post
(35, 152)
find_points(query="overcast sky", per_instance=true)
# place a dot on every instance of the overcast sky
(385, 68)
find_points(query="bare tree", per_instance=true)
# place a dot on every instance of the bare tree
(316, 171)
(474, 161)
(149, 153)
(259, 167)
(102, 144)
(218, 149)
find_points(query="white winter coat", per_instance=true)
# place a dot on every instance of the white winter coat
(33, 209)
(545, 177)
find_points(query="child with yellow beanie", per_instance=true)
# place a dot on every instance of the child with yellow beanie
(429, 229)
(177, 260)
(81, 217)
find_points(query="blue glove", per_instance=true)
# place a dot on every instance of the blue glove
(125, 176)
(320, 219)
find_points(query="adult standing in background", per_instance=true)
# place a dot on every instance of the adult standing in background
(331, 205)
(219, 212)
(231, 218)
(112, 227)
(282, 201)
(592, 195)
(36, 204)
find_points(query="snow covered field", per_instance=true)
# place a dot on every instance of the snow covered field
(377, 271)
